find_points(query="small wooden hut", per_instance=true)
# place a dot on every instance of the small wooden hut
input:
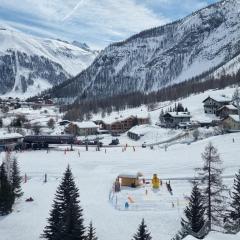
(130, 180)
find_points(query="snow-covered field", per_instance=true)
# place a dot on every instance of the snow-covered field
(94, 174)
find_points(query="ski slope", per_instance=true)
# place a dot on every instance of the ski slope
(94, 174)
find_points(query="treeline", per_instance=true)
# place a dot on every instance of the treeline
(82, 109)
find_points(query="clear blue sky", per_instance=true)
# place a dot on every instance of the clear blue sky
(96, 22)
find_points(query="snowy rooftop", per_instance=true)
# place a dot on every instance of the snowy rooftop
(230, 106)
(129, 175)
(234, 117)
(10, 135)
(122, 117)
(86, 124)
(220, 98)
(180, 114)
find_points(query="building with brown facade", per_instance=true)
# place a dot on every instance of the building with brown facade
(121, 124)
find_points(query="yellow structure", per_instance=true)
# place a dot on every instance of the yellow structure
(155, 181)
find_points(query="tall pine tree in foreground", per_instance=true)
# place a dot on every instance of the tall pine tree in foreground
(212, 186)
(16, 179)
(7, 197)
(66, 218)
(142, 232)
(194, 220)
(91, 234)
(233, 219)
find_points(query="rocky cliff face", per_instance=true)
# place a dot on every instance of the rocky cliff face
(29, 65)
(155, 58)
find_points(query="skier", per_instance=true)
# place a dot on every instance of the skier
(45, 178)
(165, 147)
(25, 178)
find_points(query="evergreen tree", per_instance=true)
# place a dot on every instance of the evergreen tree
(212, 186)
(194, 213)
(233, 218)
(179, 108)
(6, 194)
(16, 179)
(91, 235)
(66, 219)
(142, 232)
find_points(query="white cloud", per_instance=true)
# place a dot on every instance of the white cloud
(98, 21)
(116, 19)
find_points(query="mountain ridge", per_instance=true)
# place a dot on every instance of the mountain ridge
(161, 56)
(30, 64)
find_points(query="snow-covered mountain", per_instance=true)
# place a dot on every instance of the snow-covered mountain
(29, 64)
(206, 40)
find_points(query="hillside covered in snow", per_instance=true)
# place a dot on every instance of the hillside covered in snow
(29, 64)
(206, 41)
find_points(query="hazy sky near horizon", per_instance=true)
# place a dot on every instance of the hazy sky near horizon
(96, 22)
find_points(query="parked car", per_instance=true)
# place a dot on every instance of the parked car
(91, 142)
(144, 145)
(114, 142)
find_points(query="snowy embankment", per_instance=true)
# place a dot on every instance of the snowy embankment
(94, 174)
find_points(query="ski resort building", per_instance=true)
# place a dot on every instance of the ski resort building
(10, 140)
(211, 105)
(232, 123)
(173, 119)
(123, 124)
(227, 110)
(82, 128)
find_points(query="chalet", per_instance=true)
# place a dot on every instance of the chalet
(211, 105)
(227, 110)
(121, 124)
(172, 119)
(82, 128)
(232, 123)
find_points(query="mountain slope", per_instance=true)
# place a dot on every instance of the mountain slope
(155, 58)
(29, 65)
